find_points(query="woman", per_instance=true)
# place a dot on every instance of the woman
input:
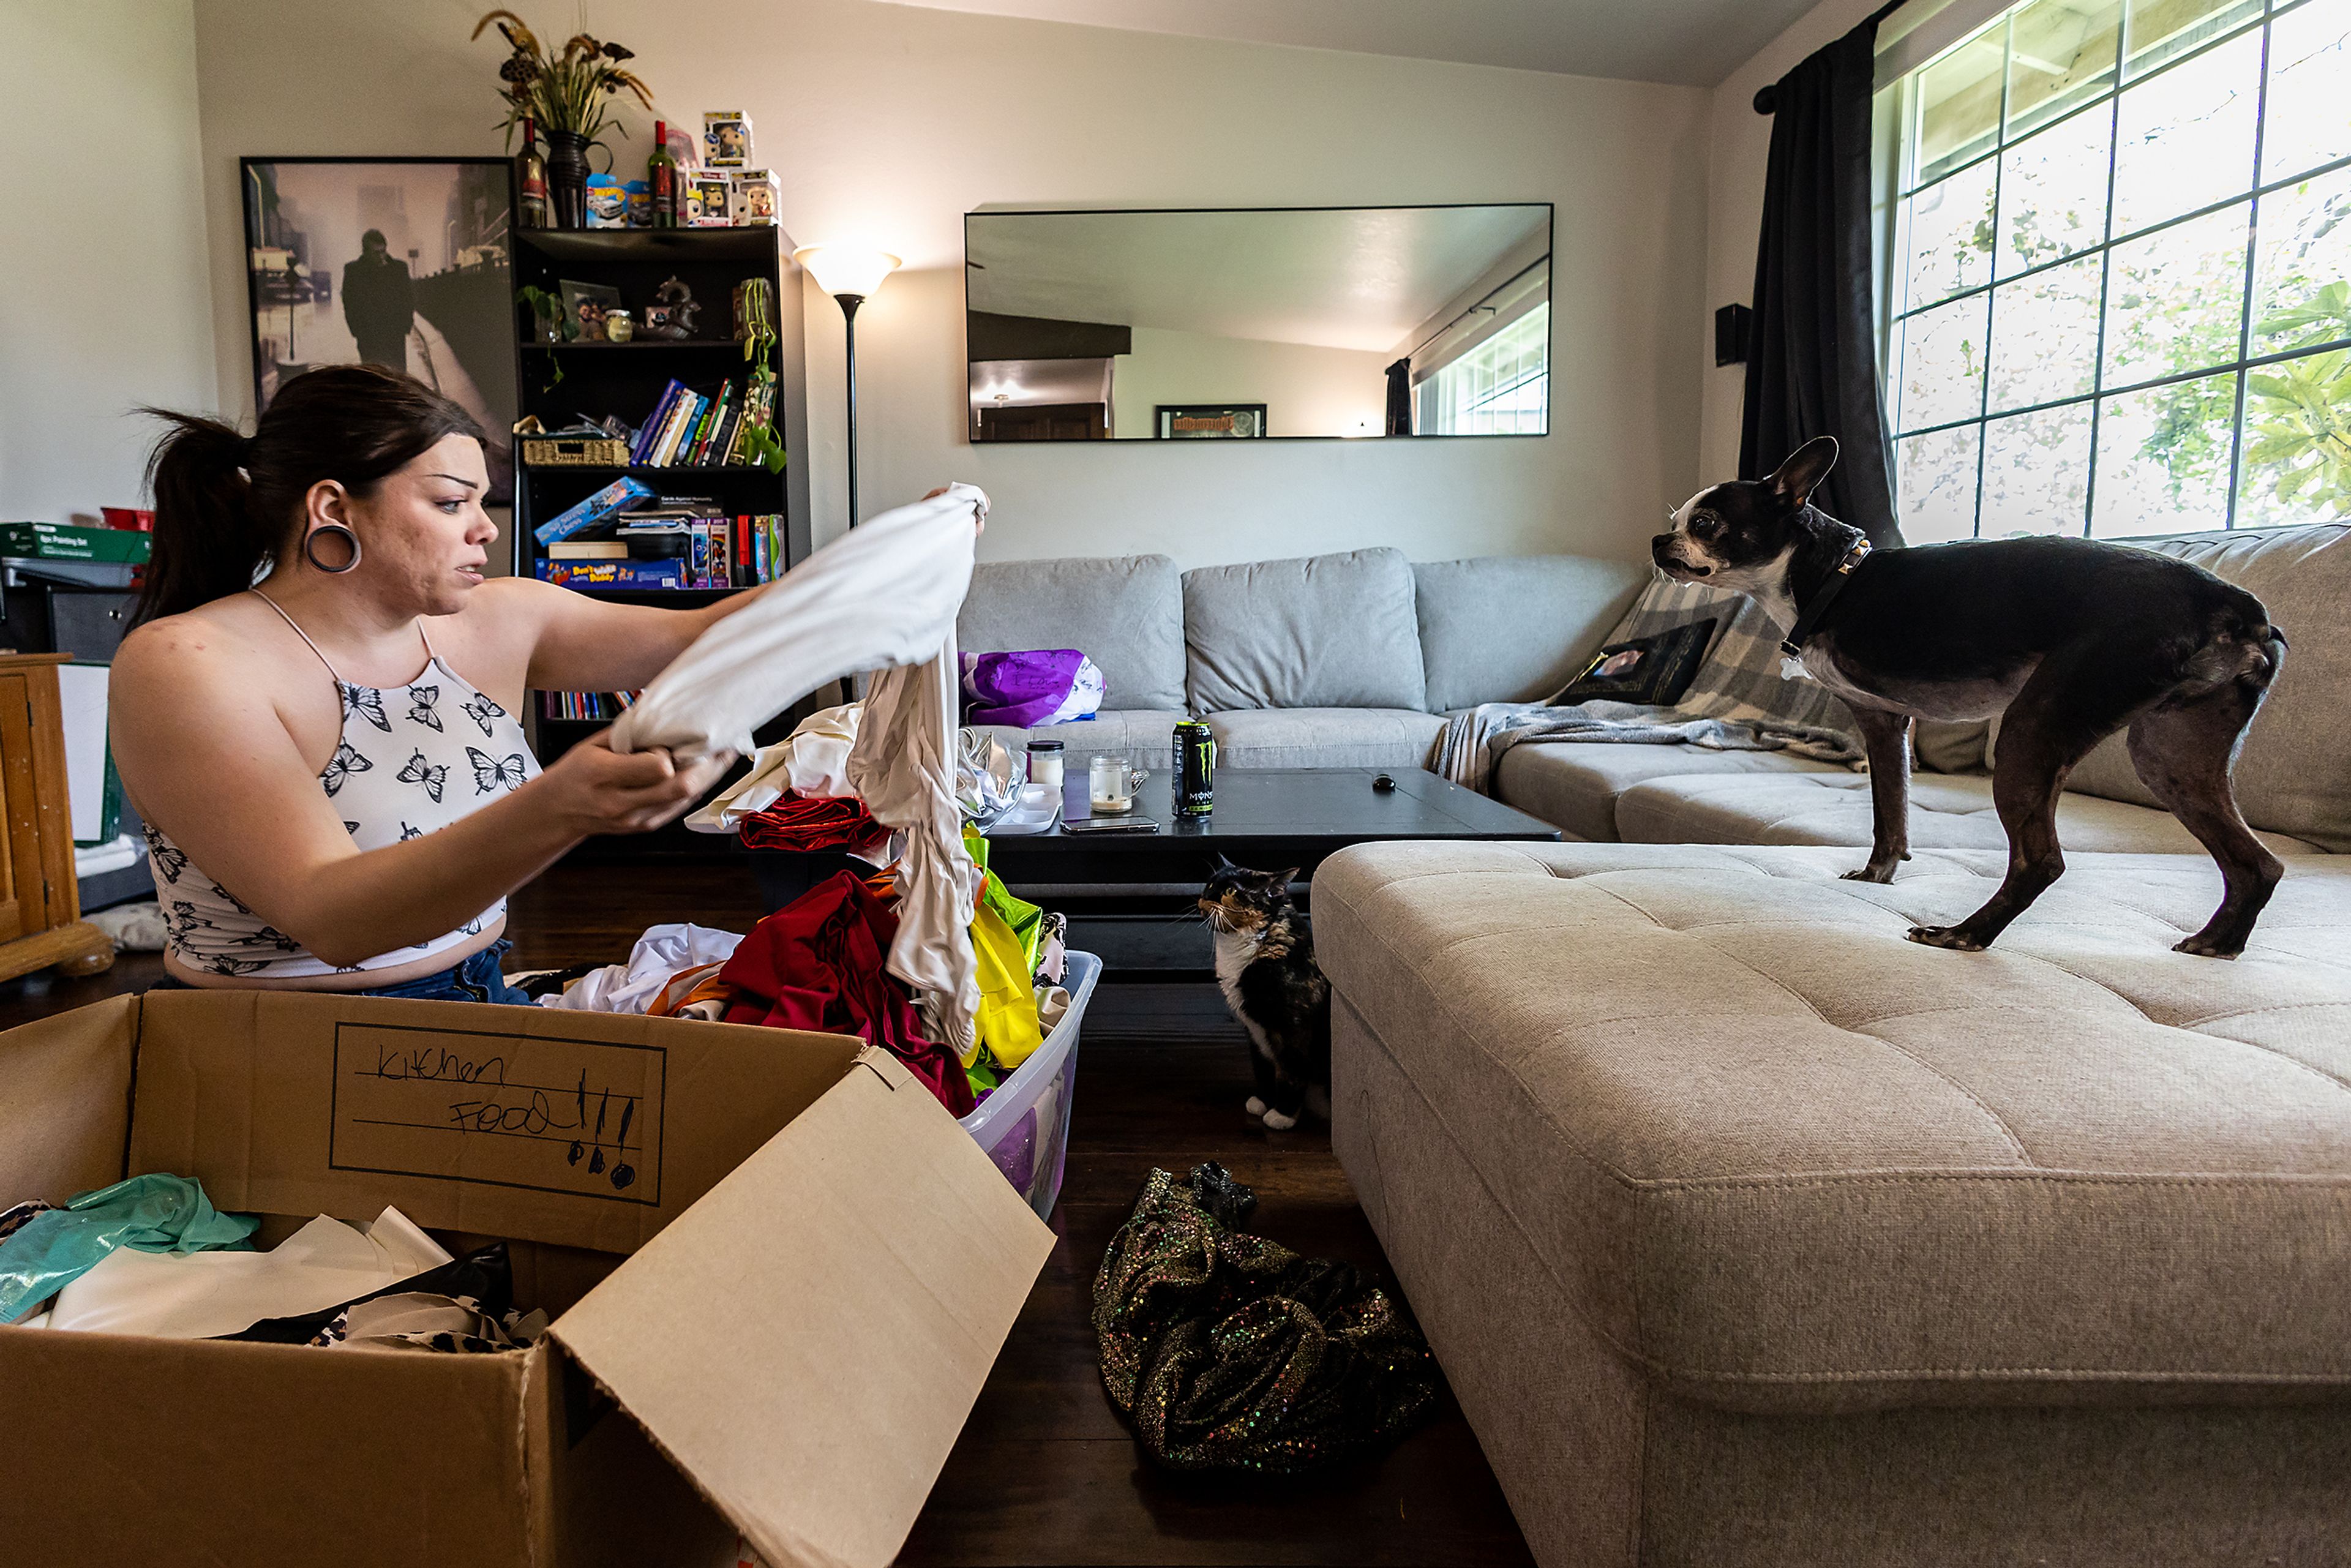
(316, 713)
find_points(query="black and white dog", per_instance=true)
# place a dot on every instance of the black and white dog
(2070, 638)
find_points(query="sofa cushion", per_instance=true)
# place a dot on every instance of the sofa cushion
(1324, 738)
(1124, 612)
(1741, 676)
(1783, 1158)
(1145, 736)
(1325, 631)
(2290, 777)
(1947, 812)
(1515, 629)
(1574, 785)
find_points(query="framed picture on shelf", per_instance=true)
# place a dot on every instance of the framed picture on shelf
(1211, 421)
(585, 305)
(399, 262)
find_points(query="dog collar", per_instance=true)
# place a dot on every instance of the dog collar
(1810, 618)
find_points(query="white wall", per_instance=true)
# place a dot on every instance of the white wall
(885, 123)
(1306, 390)
(1740, 151)
(106, 303)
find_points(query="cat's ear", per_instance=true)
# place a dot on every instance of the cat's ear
(1279, 880)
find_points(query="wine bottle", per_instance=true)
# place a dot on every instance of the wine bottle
(661, 174)
(531, 182)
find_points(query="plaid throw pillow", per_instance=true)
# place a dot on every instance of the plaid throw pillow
(1739, 678)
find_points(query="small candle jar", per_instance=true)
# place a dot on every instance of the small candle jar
(1045, 765)
(618, 326)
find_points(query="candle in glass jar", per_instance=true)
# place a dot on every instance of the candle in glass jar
(1045, 765)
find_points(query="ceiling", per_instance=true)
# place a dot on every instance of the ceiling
(1696, 43)
(1349, 278)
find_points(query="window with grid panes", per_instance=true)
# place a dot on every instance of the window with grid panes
(2122, 296)
(1502, 387)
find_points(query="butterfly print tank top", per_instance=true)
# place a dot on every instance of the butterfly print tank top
(410, 759)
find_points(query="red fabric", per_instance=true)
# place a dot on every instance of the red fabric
(796, 822)
(817, 963)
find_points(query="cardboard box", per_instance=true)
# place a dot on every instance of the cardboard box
(779, 1292)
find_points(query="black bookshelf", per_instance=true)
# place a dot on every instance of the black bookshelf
(562, 381)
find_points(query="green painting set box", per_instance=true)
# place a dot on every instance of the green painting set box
(69, 541)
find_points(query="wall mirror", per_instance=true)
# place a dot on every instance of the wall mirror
(1245, 324)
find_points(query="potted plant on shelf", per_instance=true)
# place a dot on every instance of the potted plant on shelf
(547, 310)
(567, 94)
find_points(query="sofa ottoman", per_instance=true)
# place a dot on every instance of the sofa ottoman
(1748, 1232)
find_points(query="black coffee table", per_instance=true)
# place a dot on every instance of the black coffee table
(1129, 896)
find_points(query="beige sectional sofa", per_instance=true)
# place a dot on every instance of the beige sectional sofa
(1751, 1233)
(1355, 660)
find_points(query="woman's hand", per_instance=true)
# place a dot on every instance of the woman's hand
(596, 789)
(978, 514)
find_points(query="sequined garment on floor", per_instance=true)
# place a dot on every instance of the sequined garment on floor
(1228, 1351)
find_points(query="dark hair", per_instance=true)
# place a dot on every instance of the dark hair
(226, 503)
(377, 235)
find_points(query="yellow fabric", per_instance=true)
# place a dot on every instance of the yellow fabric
(1008, 998)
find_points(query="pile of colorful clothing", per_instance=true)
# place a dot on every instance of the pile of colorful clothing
(822, 962)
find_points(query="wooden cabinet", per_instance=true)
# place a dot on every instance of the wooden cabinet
(40, 907)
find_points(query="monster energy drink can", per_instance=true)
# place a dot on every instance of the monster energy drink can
(1194, 778)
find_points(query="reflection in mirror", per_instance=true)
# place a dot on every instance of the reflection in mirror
(1248, 324)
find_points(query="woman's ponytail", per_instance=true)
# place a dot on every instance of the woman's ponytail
(209, 542)
(228, 505)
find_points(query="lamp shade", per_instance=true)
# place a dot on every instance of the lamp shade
(839, 270)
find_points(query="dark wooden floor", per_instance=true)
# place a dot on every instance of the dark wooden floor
(1045, 1473)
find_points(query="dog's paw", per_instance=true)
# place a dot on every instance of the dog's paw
(1871, 872)
(1255, 1107)
(2202, 947)
(1278, 1122)
(1950, 937)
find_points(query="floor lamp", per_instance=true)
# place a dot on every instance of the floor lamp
(850, 276)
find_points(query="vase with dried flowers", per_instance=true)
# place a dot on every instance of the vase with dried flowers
(568, 93)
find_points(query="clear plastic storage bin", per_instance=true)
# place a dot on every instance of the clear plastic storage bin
(1024, 1126)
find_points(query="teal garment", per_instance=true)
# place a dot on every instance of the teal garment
(155, 1213)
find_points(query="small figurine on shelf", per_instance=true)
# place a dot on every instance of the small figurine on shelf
(754, 200)
(726, 139)
(672, 313)
(619, 325)
(706, 200)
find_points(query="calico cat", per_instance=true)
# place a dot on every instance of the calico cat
(1266, 967)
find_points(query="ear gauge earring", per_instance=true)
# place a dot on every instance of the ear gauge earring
(345, 540)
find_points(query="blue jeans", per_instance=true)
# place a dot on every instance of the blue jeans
(477, 979)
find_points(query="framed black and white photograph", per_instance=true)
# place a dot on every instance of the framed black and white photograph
(399, 262)
(1211, 421)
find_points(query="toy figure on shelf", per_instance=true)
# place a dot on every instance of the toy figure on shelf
(672, 313)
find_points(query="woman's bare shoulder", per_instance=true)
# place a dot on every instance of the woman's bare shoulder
(213, 645)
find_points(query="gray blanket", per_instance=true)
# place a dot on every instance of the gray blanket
(1473, 743)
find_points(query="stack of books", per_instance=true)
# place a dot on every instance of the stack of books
(689, 429)
(597, 705)
(679, 542)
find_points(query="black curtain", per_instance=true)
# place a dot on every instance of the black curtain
(1400, 397)
(1811, 368)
